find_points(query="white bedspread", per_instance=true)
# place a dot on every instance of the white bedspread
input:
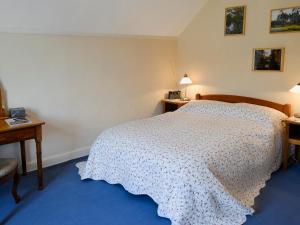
(203, 164)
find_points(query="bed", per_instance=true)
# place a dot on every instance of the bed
(203, 164)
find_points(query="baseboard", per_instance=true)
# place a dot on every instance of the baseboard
(60, 158)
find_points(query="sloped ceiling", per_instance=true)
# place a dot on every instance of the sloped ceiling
(92, 17)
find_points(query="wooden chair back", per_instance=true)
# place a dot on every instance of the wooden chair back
(2, 112)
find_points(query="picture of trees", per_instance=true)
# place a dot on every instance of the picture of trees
(268, 59)
(285, 20)
(235, 20)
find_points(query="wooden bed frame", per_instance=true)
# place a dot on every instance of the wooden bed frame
(286, 109)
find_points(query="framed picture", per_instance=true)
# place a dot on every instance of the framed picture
(174, 95)
(285, 20)
(268, 59)
(235, 20)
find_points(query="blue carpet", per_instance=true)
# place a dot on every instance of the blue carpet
(67, 200)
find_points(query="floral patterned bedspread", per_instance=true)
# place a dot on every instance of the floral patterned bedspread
(203, 164)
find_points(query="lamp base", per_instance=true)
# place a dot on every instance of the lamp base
(184, 99)
(297, 115)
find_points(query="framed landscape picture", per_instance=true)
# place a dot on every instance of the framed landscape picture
(235, 20)
(285, 20)
(268, 59)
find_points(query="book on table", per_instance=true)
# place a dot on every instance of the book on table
(17, 121)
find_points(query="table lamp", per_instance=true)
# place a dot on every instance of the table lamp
(296, 89)
(185, 81)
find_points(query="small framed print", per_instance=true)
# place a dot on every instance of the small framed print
(235, 20)
(285, 20)
(268, 59)
(174, 95)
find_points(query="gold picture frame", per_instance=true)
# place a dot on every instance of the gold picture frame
(243, 30)
(282, 31)
(266, 63)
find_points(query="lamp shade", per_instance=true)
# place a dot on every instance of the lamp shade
(186, 80)
(296, 89)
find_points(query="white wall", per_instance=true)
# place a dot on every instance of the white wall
(82, 85)
(219, 64)
(135, 17)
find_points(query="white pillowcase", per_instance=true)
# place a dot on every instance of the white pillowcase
(207, 107)
(260, 114)
(245, 111)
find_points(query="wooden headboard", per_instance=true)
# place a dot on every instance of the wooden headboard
(286, 109)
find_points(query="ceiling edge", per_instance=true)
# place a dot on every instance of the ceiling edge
(84, 34)
(193, 16)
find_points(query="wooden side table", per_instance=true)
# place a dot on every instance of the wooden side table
(21, 133)
(292, 136)
(171, 105)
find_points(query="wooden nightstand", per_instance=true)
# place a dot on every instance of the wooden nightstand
(292, 136)
(171, 105)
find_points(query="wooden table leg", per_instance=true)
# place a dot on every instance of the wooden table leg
(23, 156)
(38, 142)
(15, 186)
(285, 157)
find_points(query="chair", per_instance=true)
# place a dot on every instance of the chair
(2, 112)
(8, 169)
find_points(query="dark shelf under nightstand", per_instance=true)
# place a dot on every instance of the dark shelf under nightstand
(292, 136)
(171, 105)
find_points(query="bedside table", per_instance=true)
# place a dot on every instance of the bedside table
(292, 136)
(22, 133)
(171, 105)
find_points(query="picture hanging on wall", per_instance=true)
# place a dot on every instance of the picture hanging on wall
(235, 20)
(268, 59)
(285, 20)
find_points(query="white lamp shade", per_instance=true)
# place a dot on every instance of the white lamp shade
(186, 80)
(296, 89)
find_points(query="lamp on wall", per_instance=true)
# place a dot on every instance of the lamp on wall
(185, 81)
(296, 89)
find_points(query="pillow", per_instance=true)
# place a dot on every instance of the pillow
(207, 107)
(244, 111)
(260, 114)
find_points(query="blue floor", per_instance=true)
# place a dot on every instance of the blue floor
(67, 200)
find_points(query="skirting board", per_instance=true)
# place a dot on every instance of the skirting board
(60, 158)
